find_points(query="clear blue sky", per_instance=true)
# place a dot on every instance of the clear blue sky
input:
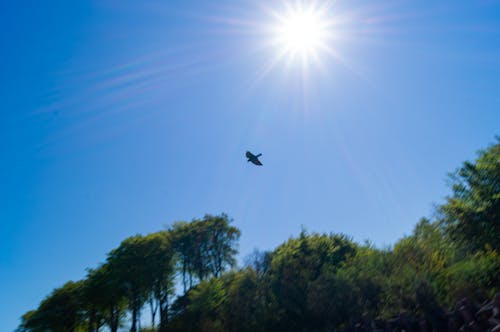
(119, 117)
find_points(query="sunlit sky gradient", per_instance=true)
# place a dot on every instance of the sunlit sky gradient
(119, 117)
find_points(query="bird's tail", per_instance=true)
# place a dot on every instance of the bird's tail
(260, 154)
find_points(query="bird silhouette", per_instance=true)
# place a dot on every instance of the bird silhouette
(253, 158)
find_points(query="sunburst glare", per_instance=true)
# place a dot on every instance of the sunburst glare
(302, 32)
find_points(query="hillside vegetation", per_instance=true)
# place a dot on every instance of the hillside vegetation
(314, 282)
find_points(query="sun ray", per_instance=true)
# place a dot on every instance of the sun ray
(300, 31)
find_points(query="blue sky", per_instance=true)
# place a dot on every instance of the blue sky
(120, 117)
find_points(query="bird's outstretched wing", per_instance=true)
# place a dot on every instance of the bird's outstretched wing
(257, 162)
(249, 155)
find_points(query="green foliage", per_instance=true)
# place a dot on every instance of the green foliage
(476, 277)
(161, 268)
(314, 282)
(147, 329)
(61, 311)
(368, 272)
(244, 301)
(205, 247)
(143, 267)
(274, 294)
(129, 267)
(200, 308)
(331, 301)
(471, 215)
(104, 298)
(206, 299)
(294, 268)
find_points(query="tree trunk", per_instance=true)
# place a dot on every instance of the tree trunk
(92, 320)
(133, 328)
(184, 272)
(163, 317)
(113, 324)
(153, 312)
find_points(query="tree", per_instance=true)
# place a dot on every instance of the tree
(476, 277)
(160, 267)
(104, 296)
(128, 265)
(206, 247)
(366, 274)
(61, 311)
(245, 306)
(331, 301)
(295, 266)
(223, 240)
(471, 216)
(92, 298)
(205, 303)
(30, 322)
(259, 261)
(184, 246)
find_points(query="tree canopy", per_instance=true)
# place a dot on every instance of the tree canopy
(312, 282)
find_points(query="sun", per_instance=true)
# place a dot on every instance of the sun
(301, 32)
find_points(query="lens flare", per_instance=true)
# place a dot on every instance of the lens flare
(301, 32)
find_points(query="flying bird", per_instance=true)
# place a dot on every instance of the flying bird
(254, 158)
